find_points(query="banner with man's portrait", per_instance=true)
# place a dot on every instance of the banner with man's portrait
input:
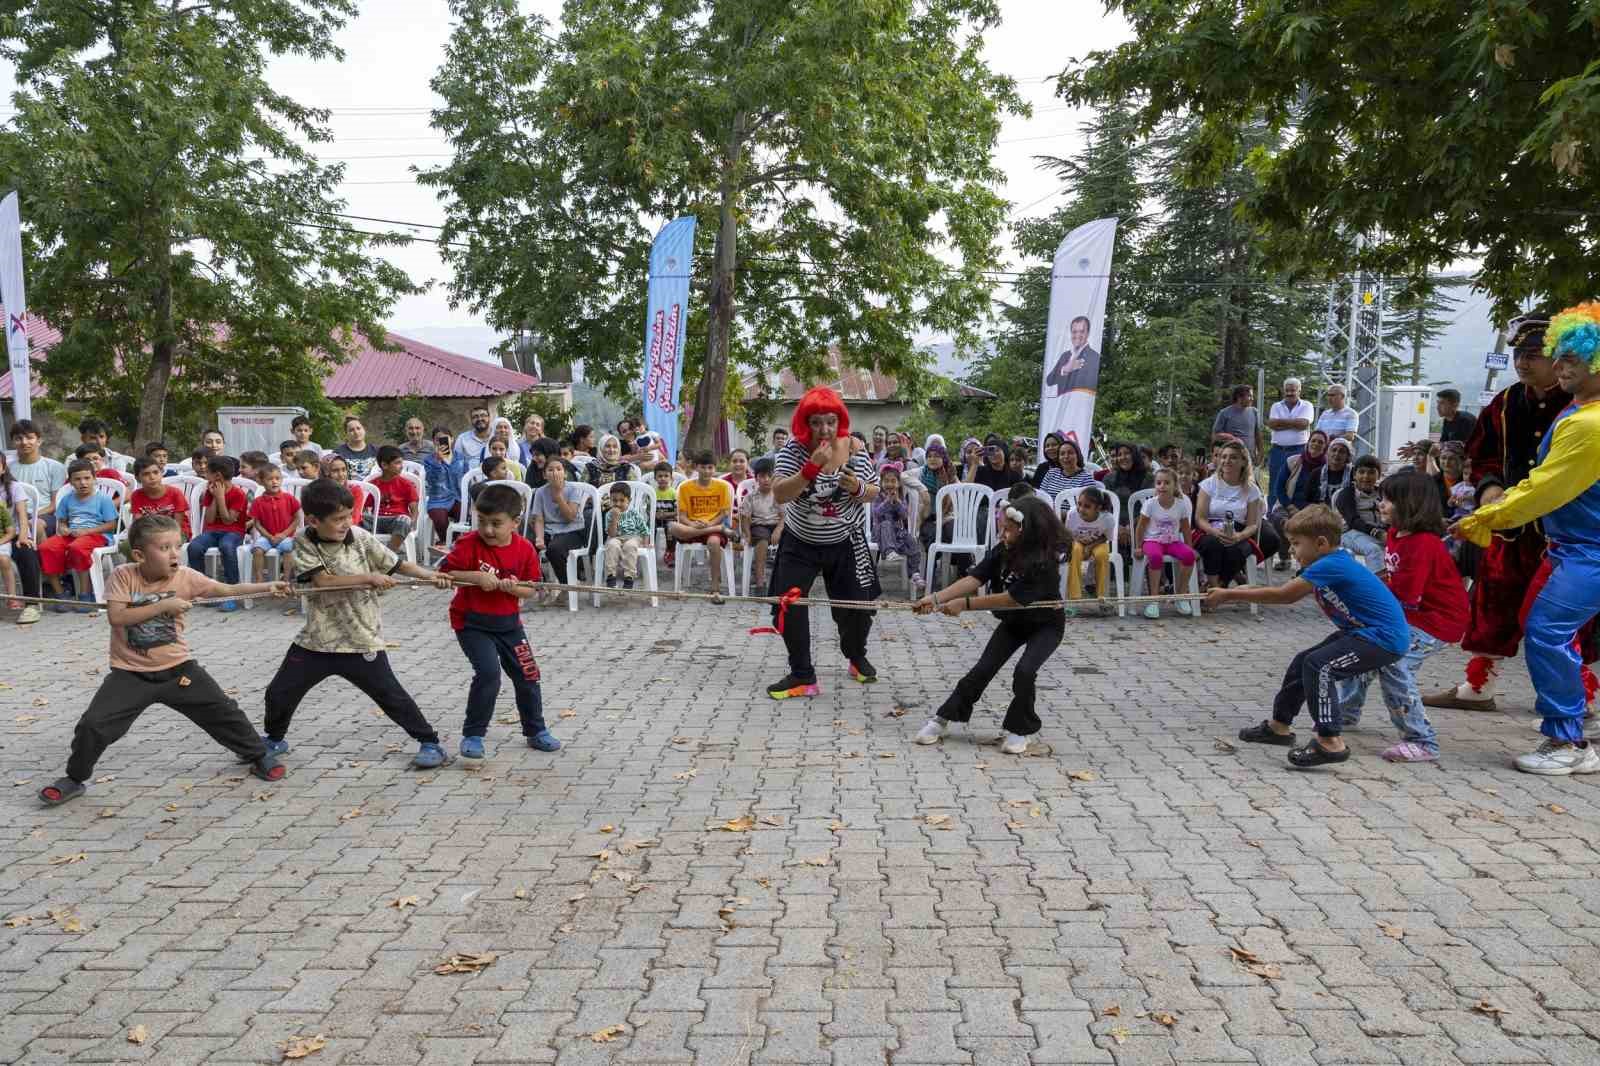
(1079, 280)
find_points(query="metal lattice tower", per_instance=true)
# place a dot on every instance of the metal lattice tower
(1352, 348)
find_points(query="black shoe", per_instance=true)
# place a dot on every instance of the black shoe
(792, 687)
(611, 582)
(1314, 754)
(862, 671)
(627, 582)
(1263, 734)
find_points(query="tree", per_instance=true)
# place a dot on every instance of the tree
(1420, 311)
(178, 234)
(1440, 131)
(835, 155)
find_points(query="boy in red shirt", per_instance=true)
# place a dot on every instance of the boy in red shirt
(397, 513)
(1423, 577)
(222, 522)
(496, 567)
(274, 519)
(156, 497)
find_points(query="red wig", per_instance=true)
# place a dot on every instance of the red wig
(818, 401)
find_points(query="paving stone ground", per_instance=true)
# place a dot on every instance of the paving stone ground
(891, 904)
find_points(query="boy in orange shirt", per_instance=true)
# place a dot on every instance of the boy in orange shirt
(704, 505)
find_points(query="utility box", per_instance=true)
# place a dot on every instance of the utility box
(260, 429)
(1404, 417)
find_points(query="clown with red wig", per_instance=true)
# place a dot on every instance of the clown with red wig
(824, 480)
(1562, 493)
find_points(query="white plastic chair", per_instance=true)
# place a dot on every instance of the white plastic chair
(411, 548)
(97, 570)
(464, 523)
(1066, 499)
(592, 545)
(642, 500)
(688, 553)
(1136, 582)
(968, 536)
(247, 555)
(116, 494)
(913, 528)
(746, 565)
(35, 508)
(197, 493)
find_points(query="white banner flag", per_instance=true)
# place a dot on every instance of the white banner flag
(16, 306)
(1079, 280)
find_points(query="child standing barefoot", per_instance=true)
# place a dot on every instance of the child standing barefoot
(1371, 634)
(147, 604)
(1025, 568)
(1425, 581)
(1162, 533)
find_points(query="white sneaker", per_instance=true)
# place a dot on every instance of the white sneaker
(932, 731)
(1185, 608)
(1014, 745)
(1152, 611)
(1557, 758)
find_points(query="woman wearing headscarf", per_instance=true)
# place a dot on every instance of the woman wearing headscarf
(823, 480)
(1052, 445)
(611, 467)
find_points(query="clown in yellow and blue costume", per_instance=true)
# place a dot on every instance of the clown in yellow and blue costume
(1563, 490)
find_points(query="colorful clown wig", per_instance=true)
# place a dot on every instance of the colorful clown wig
(818, 401)
(1576, 332)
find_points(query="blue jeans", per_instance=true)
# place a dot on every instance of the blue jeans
(281, 547)
(1278, 471)
(1398, 682)
(489, 652)
(1368, 549)
(1569, 599)
(227, 545)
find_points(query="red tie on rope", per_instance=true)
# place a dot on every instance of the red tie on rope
(784, 602)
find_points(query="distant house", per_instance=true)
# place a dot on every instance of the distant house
(377, 379)
(871, 397)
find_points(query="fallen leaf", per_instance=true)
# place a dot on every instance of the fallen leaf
(604, 855)
(1392, 930)
(837, 826)
(1483, 1006)
(70, 924)
(67, 860)
(622, 876)
(1242, 955)
(18, 920)
(898, 712)
(521, 893)
(262, 797)
(608, 1034)
(40, 701)
(938, 821)
(402, 902)
(138, 1034)
(170, 807)
(1113, 1011)
(1082, 775)
(1016, 825)
(301, 1046)
(469, 963)
(886, 755)
(507, 719)
(640, 887)
(686, 774)
(608, 829)
(568, 713)
(1224, 746)
(742, 824)
(107, 812)
(1036, 812)
(1161, 1017)
(1121, 1033)
(816, 860)
(1556, 808)
(980, 766)
(1019, 803)
(771, 819)
(578, 898)
(646, 842)
(353, 812)
(24, 719)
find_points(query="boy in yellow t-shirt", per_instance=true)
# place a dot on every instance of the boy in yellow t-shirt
(705, 503)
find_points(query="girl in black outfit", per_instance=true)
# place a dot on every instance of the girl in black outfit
(1024, 568)
(1129, 474)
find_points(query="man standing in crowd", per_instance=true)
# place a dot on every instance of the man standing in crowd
(1240, 420)
(300, 430)
(1505, 444)
(360, 456)
(1458, 424)
(474, 443)
(1338, 419)
(1290, 421)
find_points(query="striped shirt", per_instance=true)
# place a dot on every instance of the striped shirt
(1054, 481)
(824, 513)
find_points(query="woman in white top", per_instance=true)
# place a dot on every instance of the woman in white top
(1227, 519)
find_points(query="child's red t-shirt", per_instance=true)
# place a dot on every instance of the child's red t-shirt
(171, 502)
(1425, 580)
(517, 560)
(275, 513)
(398, 495)
(359, 496)
(237, 503)
(111, 476)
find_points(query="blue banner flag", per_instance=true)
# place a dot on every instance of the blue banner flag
(666, 319)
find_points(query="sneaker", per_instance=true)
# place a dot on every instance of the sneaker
(611, 582)
(89, 605)
(627, 582)
(1070, 612)
(431, 756)
(472, 747)
(60, 605)
(862, 671)
(268, 768)
(1152, 611)
(1557, 758)
(933, 730)
(228, 606)
(1186, 608)
(792, 687)
(544, 740)
(1410, 751)
(275, 747)
(1014, 745)
(30, 614)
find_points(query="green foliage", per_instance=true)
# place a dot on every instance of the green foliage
(557, 420)
(1442, 131)
(837, 156)
(411, 405)
(1418, 314)
(163, 180)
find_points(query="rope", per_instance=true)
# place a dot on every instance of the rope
(770, 601)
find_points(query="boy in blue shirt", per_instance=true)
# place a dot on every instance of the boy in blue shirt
(1372, 633)
(85, 518)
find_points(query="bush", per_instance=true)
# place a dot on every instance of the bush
(557, 421)
(411, 405)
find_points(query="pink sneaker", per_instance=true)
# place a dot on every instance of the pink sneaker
(1410, 751)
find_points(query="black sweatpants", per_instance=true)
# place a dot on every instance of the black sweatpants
(126, 694)
(26, 560)
(1226, 562)
(556, 548)
(491, 651)
(799, 562)
(1038, 643)
(1313, 676)
(303, 670)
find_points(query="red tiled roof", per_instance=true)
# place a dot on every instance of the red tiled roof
(368, 374)
(852, 383)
